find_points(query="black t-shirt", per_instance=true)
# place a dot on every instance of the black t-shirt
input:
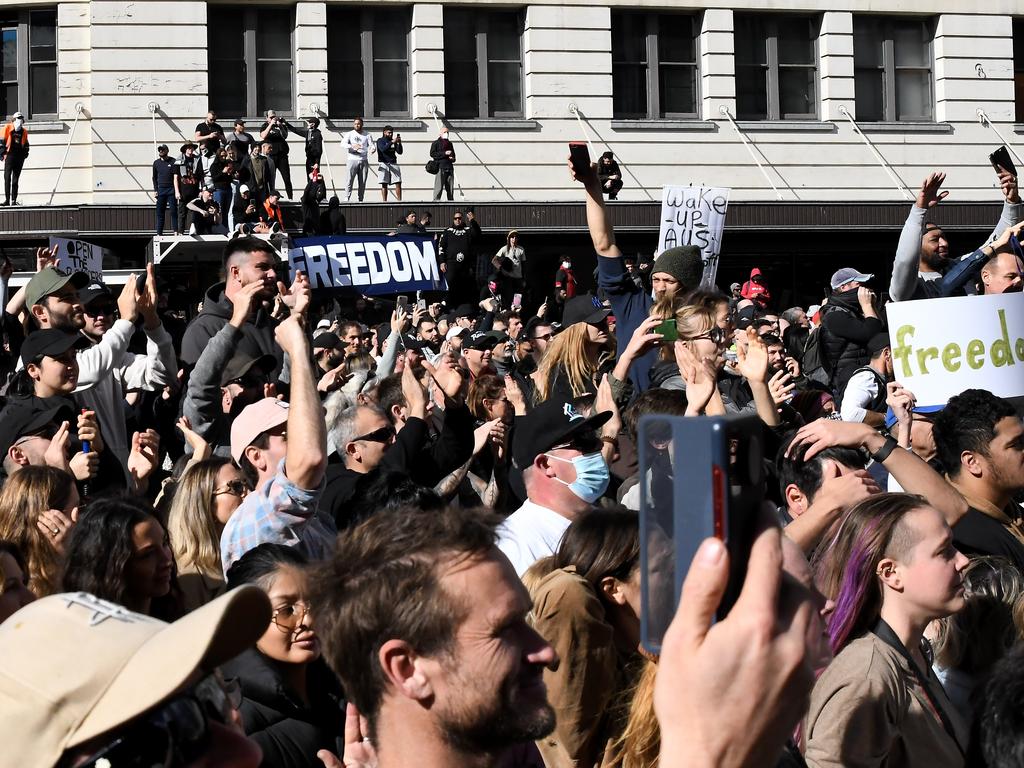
(242, 142)
(203, 129)
(979, 534)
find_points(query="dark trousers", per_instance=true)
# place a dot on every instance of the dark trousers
(612, 188)
(183, 219)
(443, 180)
(12, 172)
(163, 198)
(312, 160)
(281, 163)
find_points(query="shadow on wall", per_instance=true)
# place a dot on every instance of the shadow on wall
(121, 162)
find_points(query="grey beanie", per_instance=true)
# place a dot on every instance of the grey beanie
(683, 262)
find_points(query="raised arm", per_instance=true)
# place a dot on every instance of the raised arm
(908, 250)
(601, 233)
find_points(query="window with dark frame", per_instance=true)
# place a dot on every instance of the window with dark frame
(368, 61)
(1018, 68)
(892, 59)
(483, 63)
(252, 47)
(654, 65)
(29, 63)
(776, 66)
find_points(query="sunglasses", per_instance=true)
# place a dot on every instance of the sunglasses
(174, 734)
(288, 617)
(234, 487)
(543, 337)
(716, 335)
(106, 309)
(382, 435)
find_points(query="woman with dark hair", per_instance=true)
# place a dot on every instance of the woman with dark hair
(38, 508)
(119, 552)
(291, 703)
(586, 603)
(207, 495)
(14, 591)
(891, 569)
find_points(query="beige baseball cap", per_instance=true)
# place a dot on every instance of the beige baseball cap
(253, 421)
(73, 666)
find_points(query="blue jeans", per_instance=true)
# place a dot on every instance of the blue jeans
(163, 197)
(223, 199)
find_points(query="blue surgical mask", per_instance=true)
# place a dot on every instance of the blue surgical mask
(592, 476)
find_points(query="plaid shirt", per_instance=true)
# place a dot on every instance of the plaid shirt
(279, 513)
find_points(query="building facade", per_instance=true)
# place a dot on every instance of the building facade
(681, 93)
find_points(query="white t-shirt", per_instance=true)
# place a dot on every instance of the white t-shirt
(530, 533)
(357, 143)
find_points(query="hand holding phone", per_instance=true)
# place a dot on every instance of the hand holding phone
(579, 156)
(402, 303)
(1001, 159)
(517, 300)
(667, 329)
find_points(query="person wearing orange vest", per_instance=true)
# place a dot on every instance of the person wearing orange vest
(14, 151)
(273, 211)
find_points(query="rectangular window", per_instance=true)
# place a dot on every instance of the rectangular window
(483, 63)
(251, 59)
(29, 63)
(368, 61)
(776, 67)
(654, 65)
(1018, 67)
(892, 59)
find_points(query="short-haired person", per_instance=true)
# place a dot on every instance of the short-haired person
(281, 449)
(1003, 273)
(676, 271)
(980, 442)
(892, 569)
(358, 144)
(478, 352)
(87, 682)
(206, 496)
(425, 622)
(119, 552)
(865, 393)
(558, 452)
(389, 147)
(291, 703)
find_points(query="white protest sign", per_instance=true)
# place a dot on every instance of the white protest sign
(940, 347)
(78, 256)
(694, 216)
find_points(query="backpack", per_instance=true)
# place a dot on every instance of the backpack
(814, 362)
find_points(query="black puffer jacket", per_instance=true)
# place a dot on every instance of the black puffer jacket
(257, 333)
(289, 733)
(845, 336)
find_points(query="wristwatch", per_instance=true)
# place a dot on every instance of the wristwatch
(887, 447)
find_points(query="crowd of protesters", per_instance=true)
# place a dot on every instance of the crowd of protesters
(299, 532)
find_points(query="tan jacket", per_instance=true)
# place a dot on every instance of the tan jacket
(868, 708)
(590, 689)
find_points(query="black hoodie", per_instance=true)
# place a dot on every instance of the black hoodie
(257, 333)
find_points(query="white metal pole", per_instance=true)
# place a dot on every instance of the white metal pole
(728, 115)
(78, 113)
(878, 155)
(984, 119)
(153, 108)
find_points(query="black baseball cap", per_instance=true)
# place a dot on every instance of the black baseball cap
(411, 342)
(92, 292)
(50, 342)
(327, 340)
(242, 363)
(465, 310)
(29, 415)
(551, 423)
(585, 308)
(484, 340)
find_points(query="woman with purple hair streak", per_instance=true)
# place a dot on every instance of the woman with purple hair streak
(891, 569)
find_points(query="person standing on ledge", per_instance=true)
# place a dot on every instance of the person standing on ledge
(15, 150)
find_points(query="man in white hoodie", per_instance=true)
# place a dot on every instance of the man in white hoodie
(359, 144)
(106, 369)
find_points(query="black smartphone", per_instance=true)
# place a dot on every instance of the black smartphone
(1001, 159)
(579, 155)
(699, 477)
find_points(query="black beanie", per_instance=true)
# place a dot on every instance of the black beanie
(684, 263)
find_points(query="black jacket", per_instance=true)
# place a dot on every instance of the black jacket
(845, 336)
(457, 247)
(332, 221)
(289, 733)
(314, 142)
(437, 154)
(257, 333)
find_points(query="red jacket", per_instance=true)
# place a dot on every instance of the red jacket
(756, 292)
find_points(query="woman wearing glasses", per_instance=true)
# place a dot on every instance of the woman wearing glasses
(291, 701)
(207, 495)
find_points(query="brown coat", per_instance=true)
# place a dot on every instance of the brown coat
(868, 708)
(590, 689)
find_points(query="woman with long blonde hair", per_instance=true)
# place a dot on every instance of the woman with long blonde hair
(26, 520)
(207, 495)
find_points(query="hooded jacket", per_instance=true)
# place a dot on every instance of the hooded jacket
(257, 333)
(756, 292)
(288, 732)
(845, 333)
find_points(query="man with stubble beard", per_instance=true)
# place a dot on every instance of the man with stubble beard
(246, 260)
(925, 245)
(424, 621)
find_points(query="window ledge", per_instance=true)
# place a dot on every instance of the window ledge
(46, 126)
(663, 125)
(398, 123)
(494, 124)
(905, 127)
(1018, 127)
(801, 126)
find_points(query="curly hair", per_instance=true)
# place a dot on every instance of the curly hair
(968, 423)
(100, 547)
(28, 492)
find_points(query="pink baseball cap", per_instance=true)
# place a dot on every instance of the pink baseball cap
(253, 421)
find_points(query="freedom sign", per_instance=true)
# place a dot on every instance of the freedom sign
(940, 347)
(78, 256)
(694, 216)
(368, 264)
